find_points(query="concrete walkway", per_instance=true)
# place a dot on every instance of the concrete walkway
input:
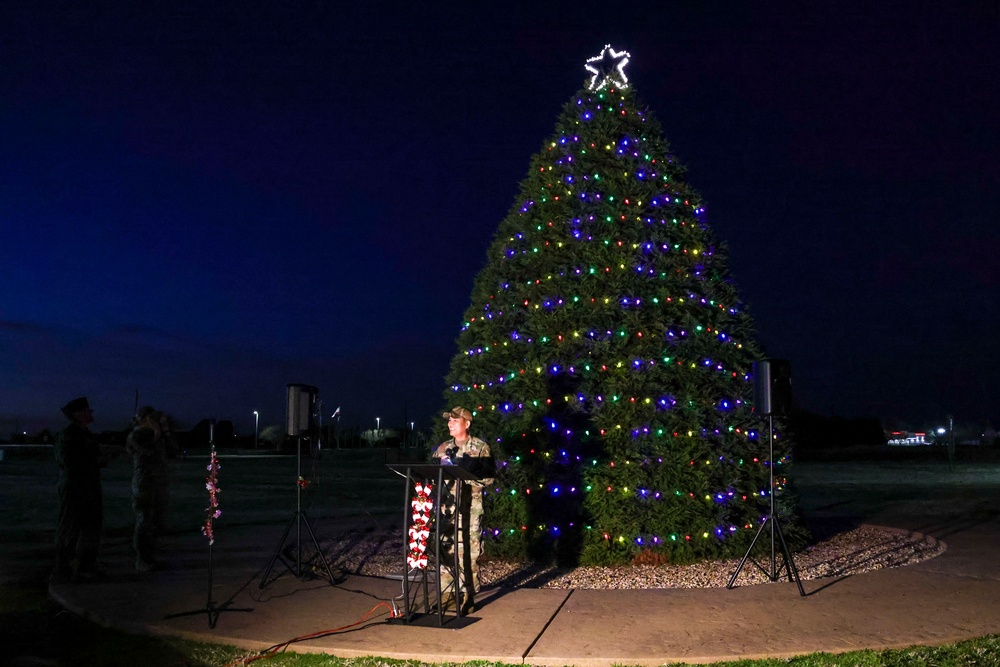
(945, 599)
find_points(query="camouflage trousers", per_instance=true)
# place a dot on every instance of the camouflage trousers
(468, 554)
(150, 503)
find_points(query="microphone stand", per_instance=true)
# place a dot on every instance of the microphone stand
(211, 608)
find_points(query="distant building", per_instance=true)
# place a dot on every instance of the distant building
(908, 438)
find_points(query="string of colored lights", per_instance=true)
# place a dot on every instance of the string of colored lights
(604, 281)
(625, 302)
(719, 497)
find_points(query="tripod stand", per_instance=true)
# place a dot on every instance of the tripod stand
(771, 521)
(298, 520)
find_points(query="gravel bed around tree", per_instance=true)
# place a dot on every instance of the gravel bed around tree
(863, 549)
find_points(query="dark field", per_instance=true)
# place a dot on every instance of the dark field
(345, 486)
(349, 487)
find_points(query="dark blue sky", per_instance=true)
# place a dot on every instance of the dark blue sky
(208, 201)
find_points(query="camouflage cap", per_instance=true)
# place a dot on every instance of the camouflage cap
(458, 412)
(147, 411)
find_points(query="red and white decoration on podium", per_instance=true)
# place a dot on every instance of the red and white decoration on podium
(422, 505)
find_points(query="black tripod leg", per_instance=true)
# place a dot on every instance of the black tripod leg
(322, 557)
(793, 572)
(277, 552)
(732, 579)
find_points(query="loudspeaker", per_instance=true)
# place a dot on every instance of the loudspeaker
(772, 386)
(299, 412)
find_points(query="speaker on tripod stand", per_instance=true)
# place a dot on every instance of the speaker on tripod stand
(300, 410)
(299, 423)
(772, 396)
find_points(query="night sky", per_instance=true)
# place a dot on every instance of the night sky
(208, 201)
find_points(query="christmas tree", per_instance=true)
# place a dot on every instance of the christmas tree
(607, 356)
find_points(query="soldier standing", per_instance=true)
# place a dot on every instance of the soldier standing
(149, 445)
(462, 446)
(81, 499)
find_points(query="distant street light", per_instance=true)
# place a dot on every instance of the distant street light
(256, 423)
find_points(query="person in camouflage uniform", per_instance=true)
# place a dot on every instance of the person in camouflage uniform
(457, 450)
(149, 445)
(81, 498)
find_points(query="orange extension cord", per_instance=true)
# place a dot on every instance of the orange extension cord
(278, 648)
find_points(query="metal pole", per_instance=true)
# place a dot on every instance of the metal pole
(951, 439)
(319, 435)
(770, 491)
(298, 509)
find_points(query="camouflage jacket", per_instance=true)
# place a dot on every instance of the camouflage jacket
(473, 447)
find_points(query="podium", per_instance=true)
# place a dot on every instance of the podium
(426, 591)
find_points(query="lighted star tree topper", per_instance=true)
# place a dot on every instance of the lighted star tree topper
(608, 68)
(607, 355)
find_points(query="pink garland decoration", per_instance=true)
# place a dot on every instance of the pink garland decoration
(213, 511)
(422, 505)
